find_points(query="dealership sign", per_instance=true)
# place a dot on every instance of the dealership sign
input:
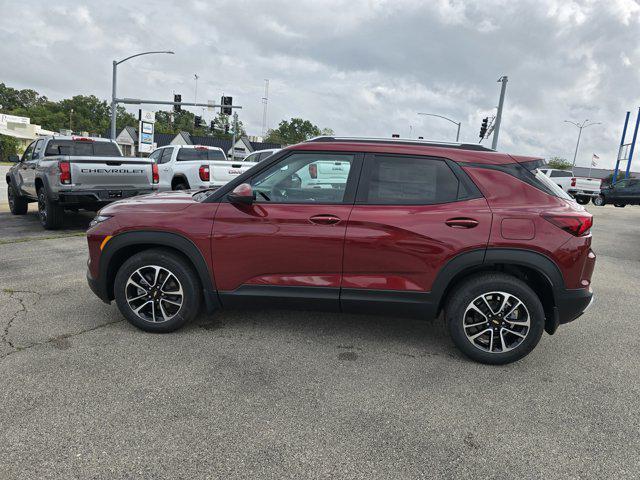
(145, 131)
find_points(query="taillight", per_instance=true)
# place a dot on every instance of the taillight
(154, 173)
(573, 182)
(65, 172)
(577, 224)
(204, 173)
(313, 170)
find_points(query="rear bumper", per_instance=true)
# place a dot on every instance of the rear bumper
(584, 193)
(99, 196)
(570, 304)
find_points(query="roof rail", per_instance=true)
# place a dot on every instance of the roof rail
(404, 141)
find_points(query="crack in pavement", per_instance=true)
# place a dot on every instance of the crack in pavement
(23, 309)
(4, 337)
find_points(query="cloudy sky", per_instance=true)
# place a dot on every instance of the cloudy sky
(360, 67)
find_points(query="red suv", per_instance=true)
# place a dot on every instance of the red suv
(359, 225)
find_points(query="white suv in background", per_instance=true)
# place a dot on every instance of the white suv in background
(184, 167)
(260, 155)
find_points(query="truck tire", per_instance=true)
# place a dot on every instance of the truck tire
(494, 318)
(18, 205)
(599, 201)
(180, 186)
(582, 200)
(620, 205)
(157, 291)
(51, 214)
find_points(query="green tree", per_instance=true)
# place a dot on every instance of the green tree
(8, 146)
(12, 99)
(559, 163)
(295, 130)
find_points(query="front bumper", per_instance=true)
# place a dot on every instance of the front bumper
(97, 288)
(99, 196)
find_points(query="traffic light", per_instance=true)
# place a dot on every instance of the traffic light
(484, 126)
(226, 101)
(197, 121)
(177, 98)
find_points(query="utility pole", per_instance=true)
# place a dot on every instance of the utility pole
(114, 100)
(496, 130)
(265, 101)
(233, 139)
(448, 119)
(580, 126)
(70, 113)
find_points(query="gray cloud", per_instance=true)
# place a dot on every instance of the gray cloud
(359, 67)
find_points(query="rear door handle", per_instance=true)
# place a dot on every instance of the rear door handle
(325, 219)
(462, 223)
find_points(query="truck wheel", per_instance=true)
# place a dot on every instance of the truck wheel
(181, 186)
(599, 201)
(18, 205)
(582, 200)
(620, 205)
(51, 214)
(494, 318)
(157, 291)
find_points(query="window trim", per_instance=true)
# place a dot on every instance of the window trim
(351, 185)
(463, 180)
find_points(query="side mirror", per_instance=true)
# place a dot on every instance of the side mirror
(243, 194)
(13, 158)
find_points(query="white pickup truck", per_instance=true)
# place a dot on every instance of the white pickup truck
(184, 167)
(582, 189)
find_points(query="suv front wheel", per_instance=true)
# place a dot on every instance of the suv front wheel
(495, 318)
(157, 291)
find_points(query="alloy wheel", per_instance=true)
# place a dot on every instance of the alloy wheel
(496, 322)
(154, 294)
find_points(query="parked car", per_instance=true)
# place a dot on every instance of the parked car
(417, 229)
(580, 188)
(624, 192)
(259, 155)
(185, 167)
(71, 172)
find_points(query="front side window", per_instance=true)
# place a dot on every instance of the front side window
(155, 156)
(251, 158)
(304, 178)
(409, 181)
(166, 155)
(26, 156)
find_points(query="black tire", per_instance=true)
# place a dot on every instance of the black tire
(175, 265)
(582, 200)
(51, 214)
(18, 205)
(620, 205)
(181, 186)
(599, 201)
(462, 297)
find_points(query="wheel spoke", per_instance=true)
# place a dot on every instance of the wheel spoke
(505, 299)
(475, 324)
(171, 302)
(514, 332)
(518, 303)
(476, 335)
(137, 285)
(491, 341)
(162, 310)
(473, 307)
(137, 310)
(504, 345)
(487, 304)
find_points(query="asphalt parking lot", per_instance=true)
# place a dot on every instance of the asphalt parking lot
(284, 394)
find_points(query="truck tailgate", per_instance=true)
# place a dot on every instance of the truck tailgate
(120, 172)
(224, 171)
(587, 184)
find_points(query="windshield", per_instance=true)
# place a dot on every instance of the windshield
(551, 185)
(186, 154)
(82, 148)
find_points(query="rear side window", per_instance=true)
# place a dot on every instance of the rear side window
(82, 149)
(408, 181)
(560, 173)
(186, 154)
(166, 155)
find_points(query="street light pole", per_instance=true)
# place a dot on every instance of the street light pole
(580, 126)
(114, 103)
(496, 129)
(445, 118)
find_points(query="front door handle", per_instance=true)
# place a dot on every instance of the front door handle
(325, 219)
(462, 223)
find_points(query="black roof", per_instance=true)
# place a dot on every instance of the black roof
(404, 141)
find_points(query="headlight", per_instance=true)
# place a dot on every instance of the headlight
(99, 219)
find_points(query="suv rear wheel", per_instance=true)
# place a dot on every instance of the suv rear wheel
(17, 203)
(599, 201)
(157, 291)
(51, 214)
(495, 318)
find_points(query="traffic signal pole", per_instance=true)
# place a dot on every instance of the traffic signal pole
(496, 130)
